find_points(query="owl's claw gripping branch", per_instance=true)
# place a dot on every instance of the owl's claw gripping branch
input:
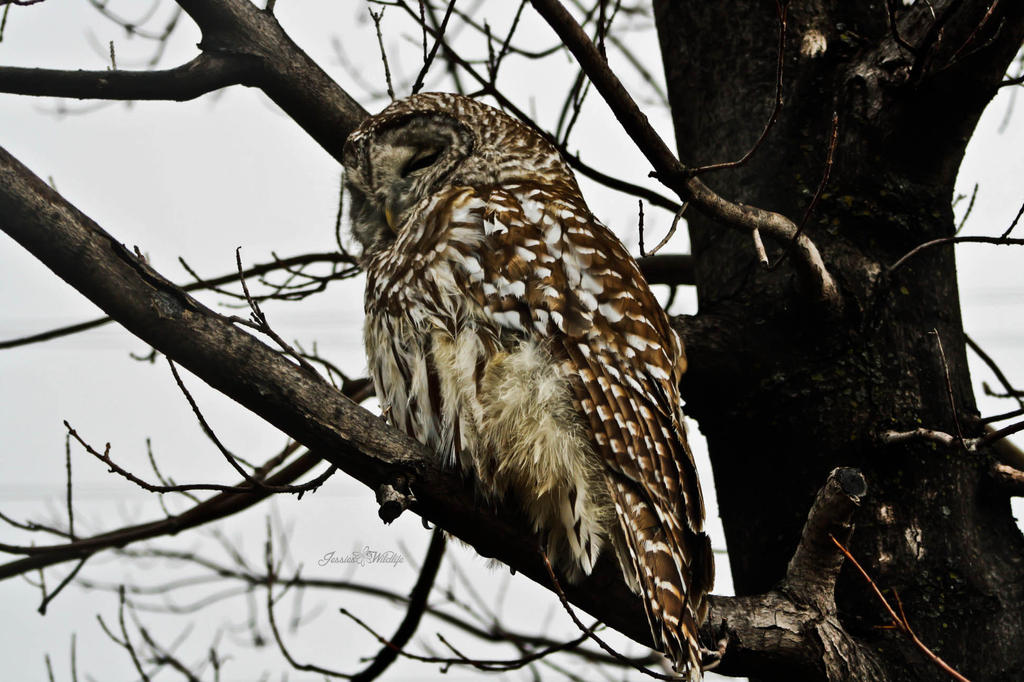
(711, 658)
(394, 497)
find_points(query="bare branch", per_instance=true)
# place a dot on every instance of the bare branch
(996, 370)
(491, 665)
(417, 605)
(893, 437)
(969, 444)
(1009, 478)
(205, 73)
(815, 565)
(63, 583)
(949, 386)
(899, 621)
(286, 74)
(428, 58)
(200, 285)
(376, 17)
(251, 482)
(216, 507)
(1008, 241)
(671, 229)
(782, 9)
(825, 175)
(1013, 224)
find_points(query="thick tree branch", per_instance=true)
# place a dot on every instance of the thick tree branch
(306, 407)
(287, 75)
(205, 73)
(310, 410)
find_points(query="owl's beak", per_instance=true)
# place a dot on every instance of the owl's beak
(389, 217)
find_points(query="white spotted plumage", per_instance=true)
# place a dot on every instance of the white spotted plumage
(511, 332)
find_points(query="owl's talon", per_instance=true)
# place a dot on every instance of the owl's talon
(711, 658)
(394, 497)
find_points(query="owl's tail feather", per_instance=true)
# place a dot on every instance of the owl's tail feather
(664, 576)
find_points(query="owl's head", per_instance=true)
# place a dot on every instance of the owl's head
(429, 142)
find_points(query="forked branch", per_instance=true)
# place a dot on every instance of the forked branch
(796, 625)
(669, 169)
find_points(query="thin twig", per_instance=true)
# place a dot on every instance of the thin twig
(640, 226)
(67, 464)
(232, 459)
(482, 664)
(145, 485)
(967, 212)
(782, 8)
(952, 240)
(203, 284)
(261, 323)
(63, 583)
(1002, 416)
(377, 16)
(590, 631)
(949, 386)
(996, 370)
(1016, 219)
(898, 621)
(428, 58)
(671, 229)
(825, 175)
(271, 580)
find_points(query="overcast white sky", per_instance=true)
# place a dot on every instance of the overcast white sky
(197, 180)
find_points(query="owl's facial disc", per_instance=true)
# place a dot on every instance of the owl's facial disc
(407, 173)
(396, 163)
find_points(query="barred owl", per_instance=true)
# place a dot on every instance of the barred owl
(512, 333)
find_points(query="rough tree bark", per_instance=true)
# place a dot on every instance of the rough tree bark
(784, 394)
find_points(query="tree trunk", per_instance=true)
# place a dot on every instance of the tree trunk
(784, 393)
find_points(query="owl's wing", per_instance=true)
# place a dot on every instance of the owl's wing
(546, 268)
